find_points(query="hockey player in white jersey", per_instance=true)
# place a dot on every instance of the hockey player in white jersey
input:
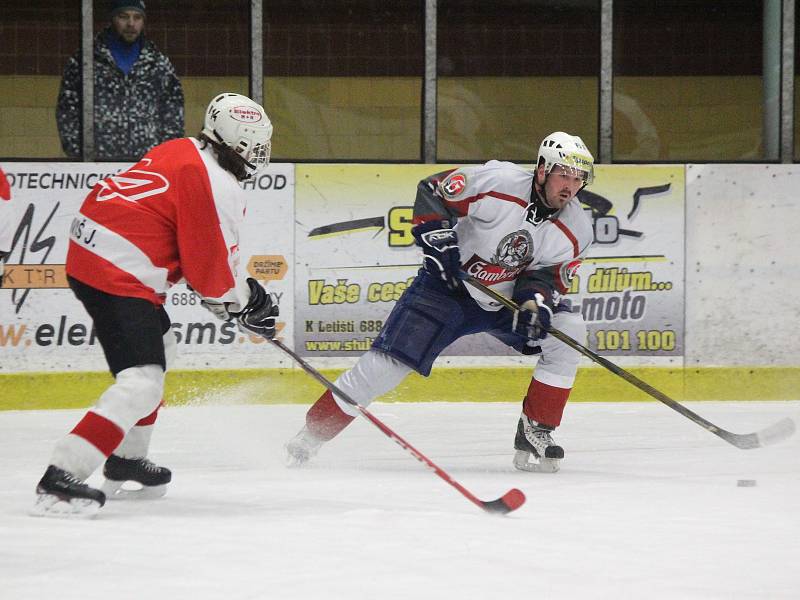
(523, 233)
(172, 217)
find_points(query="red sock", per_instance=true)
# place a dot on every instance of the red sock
(100, 432)
(545, 403)
(151, 418)
(325, 419)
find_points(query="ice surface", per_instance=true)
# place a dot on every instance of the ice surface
(646, 506)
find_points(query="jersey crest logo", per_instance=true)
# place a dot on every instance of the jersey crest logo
(454, 185)
(514, 250)
(133, 185)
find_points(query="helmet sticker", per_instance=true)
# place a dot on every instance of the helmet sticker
(454, 185)
(245, 114)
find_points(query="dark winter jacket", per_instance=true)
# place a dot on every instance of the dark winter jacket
(132, 113)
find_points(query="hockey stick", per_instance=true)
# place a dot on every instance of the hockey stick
(509, 501)
(769, 435)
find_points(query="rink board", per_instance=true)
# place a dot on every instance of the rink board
(680, 252)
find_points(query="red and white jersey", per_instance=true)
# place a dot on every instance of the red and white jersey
(174, 216)
(500, 233)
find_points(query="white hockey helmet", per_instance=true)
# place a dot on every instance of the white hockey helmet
(241, 124)
(568, 151)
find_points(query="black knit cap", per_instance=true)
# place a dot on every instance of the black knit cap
(117, 6)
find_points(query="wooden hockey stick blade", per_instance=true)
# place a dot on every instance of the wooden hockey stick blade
(511, 500)
(745, 441)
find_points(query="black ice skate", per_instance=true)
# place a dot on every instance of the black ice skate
(302, 448)
(145, 480)
(61, 494)
(534, 440)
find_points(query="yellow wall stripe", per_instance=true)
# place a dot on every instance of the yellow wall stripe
(22, 391)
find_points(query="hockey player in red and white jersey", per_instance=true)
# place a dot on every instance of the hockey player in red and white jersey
(523, 233)
(172, 217)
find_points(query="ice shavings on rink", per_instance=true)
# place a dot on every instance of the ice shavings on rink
(646, 506)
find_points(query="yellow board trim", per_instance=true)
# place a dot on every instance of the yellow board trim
(624, 259)
(25, 391)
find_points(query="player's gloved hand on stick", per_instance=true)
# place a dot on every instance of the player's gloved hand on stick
(533, 319)
(218, 309)
(439, 243)
(258, 317)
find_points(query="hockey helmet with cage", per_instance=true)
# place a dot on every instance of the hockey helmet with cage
(242, 125)
(568, 151)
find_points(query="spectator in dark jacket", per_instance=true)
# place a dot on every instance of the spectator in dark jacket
(138, 99)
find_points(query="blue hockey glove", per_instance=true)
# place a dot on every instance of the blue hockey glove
(533, 319)
(258, 317)
(439, 243)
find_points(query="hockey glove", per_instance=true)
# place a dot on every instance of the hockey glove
(258, 317)
(533, 319)
(439, 243)
(218, 309)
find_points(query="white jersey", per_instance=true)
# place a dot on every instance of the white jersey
(502, 234)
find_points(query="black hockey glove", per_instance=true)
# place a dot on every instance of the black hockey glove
(258, 317)
(533, 319)
(439, 243)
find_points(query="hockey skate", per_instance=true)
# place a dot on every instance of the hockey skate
(302, 448)
(534, 441)
(60, 494)
(134, 479)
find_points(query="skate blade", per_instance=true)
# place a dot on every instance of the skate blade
(125, 490)
(545, 465)
(297, 456)
(48, 505)
(295, 460)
